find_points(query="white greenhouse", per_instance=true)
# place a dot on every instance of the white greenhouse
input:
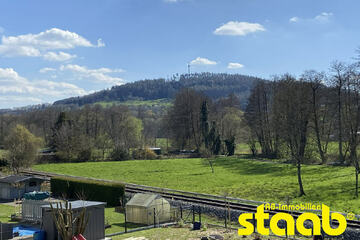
(141, 208)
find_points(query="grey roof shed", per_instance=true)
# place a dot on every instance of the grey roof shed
(94, 210)
(15, 186)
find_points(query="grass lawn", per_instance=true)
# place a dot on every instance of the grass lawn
(117, 220)
(238, 177)
(5, 212)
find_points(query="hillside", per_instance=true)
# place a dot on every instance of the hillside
(214, 85)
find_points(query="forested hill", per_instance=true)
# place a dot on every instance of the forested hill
(214, 85)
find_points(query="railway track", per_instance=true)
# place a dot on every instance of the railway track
(194, 198)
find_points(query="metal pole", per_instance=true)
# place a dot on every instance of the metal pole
(193, 210)
(125, 220)
(181, 212)
(225, 218)
(200, 214)
(154, 218)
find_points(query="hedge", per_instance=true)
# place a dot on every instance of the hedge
(73, 188)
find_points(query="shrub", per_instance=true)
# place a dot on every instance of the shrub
(119, 154)
(73, 188)
(230, 146)
(84, 155)
(143, 154)
(3, 162)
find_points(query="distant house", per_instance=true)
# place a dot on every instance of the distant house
(156, 150)
(15, 186)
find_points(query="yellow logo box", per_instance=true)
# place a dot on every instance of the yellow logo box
(261, 216)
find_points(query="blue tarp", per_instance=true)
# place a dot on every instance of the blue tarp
(38, 234)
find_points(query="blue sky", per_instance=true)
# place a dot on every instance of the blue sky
(51, 50)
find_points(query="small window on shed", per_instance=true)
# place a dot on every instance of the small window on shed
(32, 184)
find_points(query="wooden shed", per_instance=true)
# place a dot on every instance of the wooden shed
(15, 186)
(95, 228)
(141, 208)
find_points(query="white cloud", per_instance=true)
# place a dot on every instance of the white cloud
(1, 29)
(19, 91)
(36, 45)
(58, 57)
(202, 61)
(46, 69)
(294, 19)
(234, 28)
(97, 75)
(323, 17)
(235, 65)
(10, 101)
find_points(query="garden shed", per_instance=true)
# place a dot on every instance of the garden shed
(141, 208)
(15, 186)
(95, 211)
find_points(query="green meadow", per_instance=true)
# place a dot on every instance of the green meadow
(255, 179)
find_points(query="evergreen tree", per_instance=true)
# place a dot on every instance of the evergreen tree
(204, 123)
(230, 146)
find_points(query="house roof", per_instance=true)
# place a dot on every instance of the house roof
(142, 199)
(17, 179)
(78, 204)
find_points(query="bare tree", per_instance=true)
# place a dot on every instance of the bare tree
(184, 119)
(260, 119)
(291, 105)
(338, 82)
(315, 82)
(352, 117)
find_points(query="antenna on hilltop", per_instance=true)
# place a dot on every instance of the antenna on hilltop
(189, 68)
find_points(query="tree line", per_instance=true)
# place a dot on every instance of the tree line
(301, 118)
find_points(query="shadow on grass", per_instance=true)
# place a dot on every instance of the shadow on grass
(250, 167)
(129, 225)
(321, 183)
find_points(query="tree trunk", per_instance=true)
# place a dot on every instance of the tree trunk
(300, 157)
(357, 183)
(341, 156)
(301, 188)
(317, 131)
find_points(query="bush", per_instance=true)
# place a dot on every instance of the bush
(119, 154)
(84, 155)
(143, 154)
(74, 188)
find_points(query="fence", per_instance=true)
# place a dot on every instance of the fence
(31, 210)
(202, 216)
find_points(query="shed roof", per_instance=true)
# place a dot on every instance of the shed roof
(17, 179)
(142, 199)
(79, 204)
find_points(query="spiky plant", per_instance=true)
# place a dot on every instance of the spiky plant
(64, 220)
